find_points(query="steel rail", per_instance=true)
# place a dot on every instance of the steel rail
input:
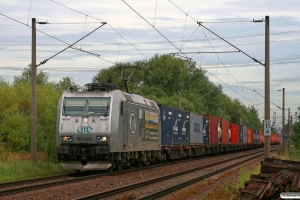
(195, 180)
(124, 189)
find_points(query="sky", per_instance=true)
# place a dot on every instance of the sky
(137, 30)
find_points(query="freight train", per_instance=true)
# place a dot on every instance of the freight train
(103, 128)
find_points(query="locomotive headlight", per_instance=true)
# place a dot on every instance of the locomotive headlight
(67, 138)
(101, 138)
(85, 120)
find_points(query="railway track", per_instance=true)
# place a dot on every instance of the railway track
(17, 187)
(163, 192)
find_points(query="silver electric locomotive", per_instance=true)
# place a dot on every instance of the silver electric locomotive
(102, 128)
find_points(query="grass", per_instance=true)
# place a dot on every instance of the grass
(18, 166)
(290, 154)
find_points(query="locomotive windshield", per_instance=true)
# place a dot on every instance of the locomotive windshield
(86, 106)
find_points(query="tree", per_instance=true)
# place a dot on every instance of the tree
(3, 82)
(26, 76)
(296, 136)
(65, 83)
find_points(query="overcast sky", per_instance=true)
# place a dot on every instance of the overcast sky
(128, 37)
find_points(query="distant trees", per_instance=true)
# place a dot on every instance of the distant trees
(26, 76)
(296, 136)
(65, 83)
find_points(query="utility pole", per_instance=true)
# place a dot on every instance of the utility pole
(221, 112)
(34, 101)
(289, 127)
(241, 120)
(292, 131)
(180, 91)
(267, 84)
(180, 99)
(283, 121)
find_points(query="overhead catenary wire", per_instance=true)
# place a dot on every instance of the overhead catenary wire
(43, 62)
(207, 52)
(178, 48)
(98, 56)
(254, 59)
(155, 13)
(101, 20)
(28, 12)
(83, 30)
(201, 24)
(119, 49)
(270, 101)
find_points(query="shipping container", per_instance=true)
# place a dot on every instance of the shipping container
(256, 136)
(166, 125)
(185, 127)
(205, 130)
(272, 138)
(249, 135)
(245, 134)
(213, 129)
(241, 135)
(234, 134)
(261, 137)
(224, 124)
(176, 126)
(196, 129)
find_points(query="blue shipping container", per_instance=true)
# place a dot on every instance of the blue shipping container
(166, 125)
(185, 127)
(205, 130)
(176, 127)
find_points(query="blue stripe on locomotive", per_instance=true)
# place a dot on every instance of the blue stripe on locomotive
(166, 125)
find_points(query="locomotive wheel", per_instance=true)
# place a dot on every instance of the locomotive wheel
(111, 169)
(119, 167)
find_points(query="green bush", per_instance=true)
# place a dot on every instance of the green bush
(15, 126)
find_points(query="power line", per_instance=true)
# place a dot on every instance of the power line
(180, 49)
(206, 52)
(200, 24)
(51, 36)
(177, 41)
(43, 62)
(100, 20)
(270, 101)
(254, 59)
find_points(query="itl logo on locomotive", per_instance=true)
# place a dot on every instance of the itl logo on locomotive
(84, 129)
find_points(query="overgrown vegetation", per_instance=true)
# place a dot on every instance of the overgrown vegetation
(296, 139)
(291, 153)
(18, 166)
